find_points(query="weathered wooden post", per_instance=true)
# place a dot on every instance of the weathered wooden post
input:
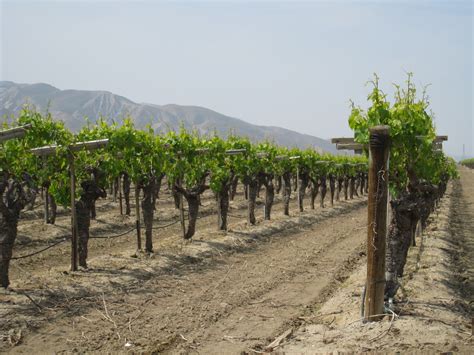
(377, 221)
(74, 243)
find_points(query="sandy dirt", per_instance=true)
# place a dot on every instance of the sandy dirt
(434, 312)
(290, 285)
(221, 293)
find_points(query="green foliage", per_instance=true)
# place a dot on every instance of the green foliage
(182, 155)
(468, 162)
(16, 157)
(412, 134)
(186, 159)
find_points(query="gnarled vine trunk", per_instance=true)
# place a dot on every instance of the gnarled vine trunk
(302, 185)
(53, 209)
(148, 209)
(193, 210)
(90, 193)
(192, 197)
(346, 186)
(340, 186)
(252, 185)
(278, 183)
(295, 183)
(157, 188)
(222, 198)
(175, 198)
(323, 190)
(286, 177)
(352, 187)
(362, 183)
(332, 187)
(314, 191)
(8, 232)
(356, 185)
(400, 235)
(428, 196)
(269, 195)
(233, 187)
(96, 175)
(31, 190)
(260, 185)
(13, 199)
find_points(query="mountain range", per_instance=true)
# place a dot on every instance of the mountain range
(72, 106)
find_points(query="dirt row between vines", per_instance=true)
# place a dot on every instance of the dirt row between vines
(436, 302)
(223, 292)
(34, 235)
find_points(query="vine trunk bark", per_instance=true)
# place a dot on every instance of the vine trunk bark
(332, 187)
(303, 184)
(252, 184)
(323, 190)
(402, 225)
(192, 196)
(13, 199)
(148, 209)
(90, 193)
(346, 186)
(314, 191)
(269, 195)
(340, 186)
(222, 198)
(286, 177)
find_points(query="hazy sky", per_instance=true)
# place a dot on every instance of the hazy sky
(289, 64)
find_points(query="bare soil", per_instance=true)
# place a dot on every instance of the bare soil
(434, 312)
(289, 285)
(225, 292)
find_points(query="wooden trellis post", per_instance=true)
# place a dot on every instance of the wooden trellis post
(74, 241)
(50, 150)
(379, 152)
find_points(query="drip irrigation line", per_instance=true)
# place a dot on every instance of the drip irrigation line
(166, 225)
(116, 235)
(99, 237)
(134, 228)
(41, 250)
(235, 216)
